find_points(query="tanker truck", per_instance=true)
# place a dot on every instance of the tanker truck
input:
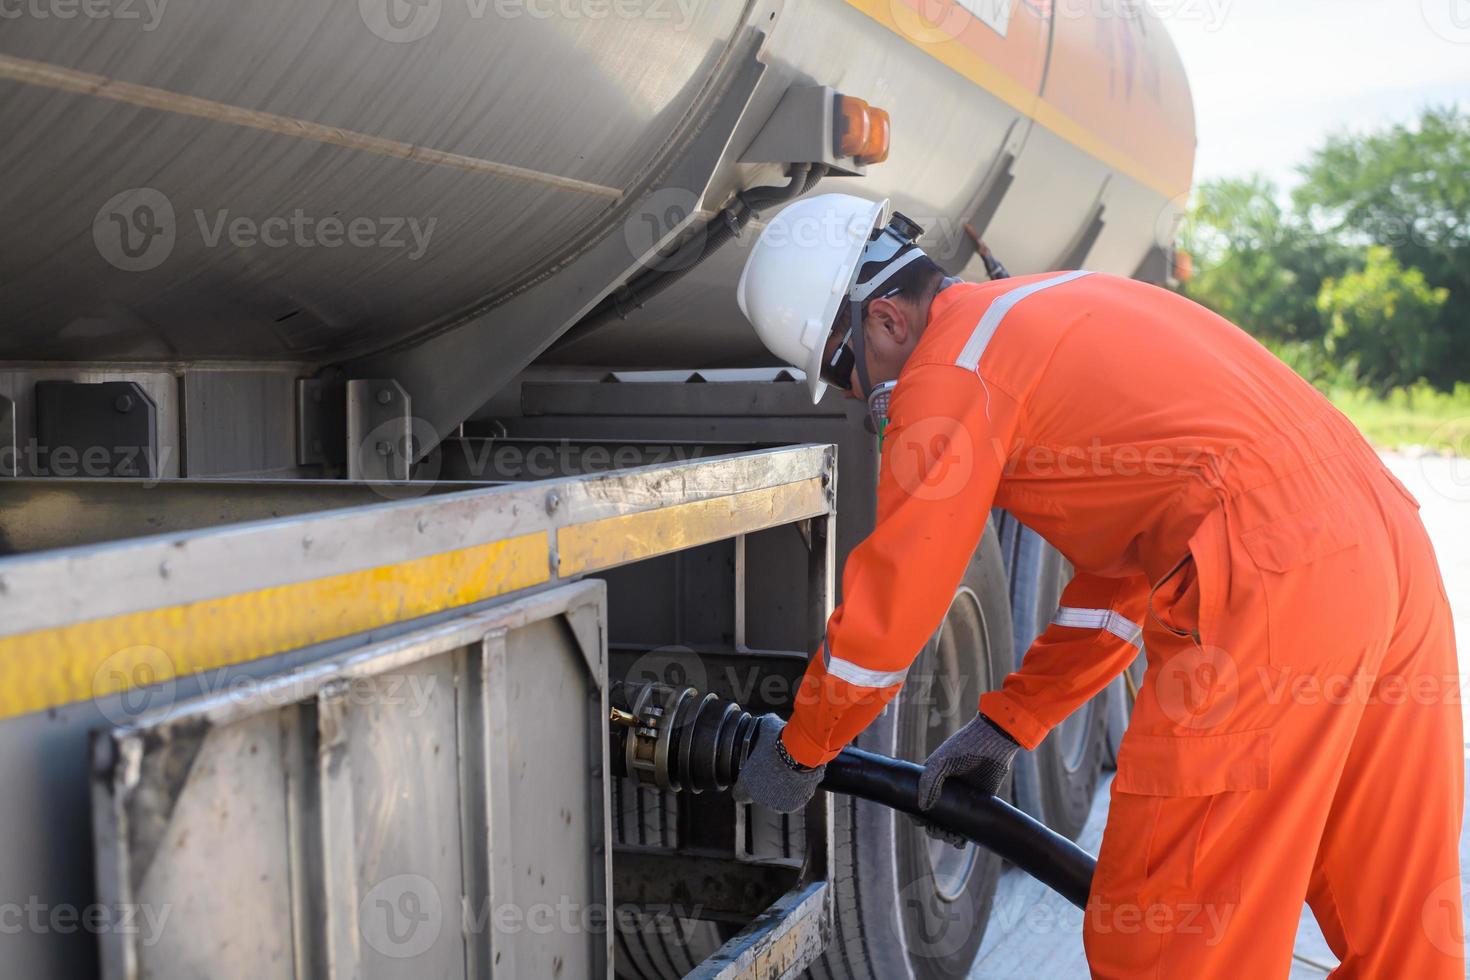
(375, 413)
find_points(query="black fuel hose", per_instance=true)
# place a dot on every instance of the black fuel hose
(679, 739)
(992, 823)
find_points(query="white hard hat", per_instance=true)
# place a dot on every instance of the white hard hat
(799, 273)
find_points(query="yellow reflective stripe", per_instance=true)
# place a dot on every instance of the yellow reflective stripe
(596, 545)
(49, 668)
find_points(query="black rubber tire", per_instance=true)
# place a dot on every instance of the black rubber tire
(1069, 761)
(890, 920)
(1120, 709)
(653, 946)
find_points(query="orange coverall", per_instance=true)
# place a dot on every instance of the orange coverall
(1297, 733)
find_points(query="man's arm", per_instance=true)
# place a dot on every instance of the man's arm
(946, 444)
(1093, 638)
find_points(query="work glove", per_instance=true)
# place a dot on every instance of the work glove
(770, 776)
(979, 754)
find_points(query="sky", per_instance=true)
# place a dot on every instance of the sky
(1272, 78)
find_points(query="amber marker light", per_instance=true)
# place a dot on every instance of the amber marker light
(861, 131)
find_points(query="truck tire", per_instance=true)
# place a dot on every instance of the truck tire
(1068, 762)
(1120, 709)
(654, 946)
(903, 907)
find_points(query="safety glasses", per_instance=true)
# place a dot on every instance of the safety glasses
(838, 360)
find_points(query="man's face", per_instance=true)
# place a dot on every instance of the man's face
(890, 332)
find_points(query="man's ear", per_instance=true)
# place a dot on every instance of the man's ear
(891, 320)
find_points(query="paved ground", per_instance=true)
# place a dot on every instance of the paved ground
(1033, 933)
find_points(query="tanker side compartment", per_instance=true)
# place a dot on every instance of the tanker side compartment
(302, 725)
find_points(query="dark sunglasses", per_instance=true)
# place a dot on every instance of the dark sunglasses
(837, 366)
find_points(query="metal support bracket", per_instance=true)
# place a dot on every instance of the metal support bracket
(321, 423)
(450, 372)
(800, 131)
(379, 430)
(105, 428)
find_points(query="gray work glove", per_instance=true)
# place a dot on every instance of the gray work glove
(771, 777)
(979, 754)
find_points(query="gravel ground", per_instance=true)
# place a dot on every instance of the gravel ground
(1034, 933)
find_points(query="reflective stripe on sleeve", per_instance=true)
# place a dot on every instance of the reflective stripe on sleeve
(975, 347)
(859, 676)
(1100, 619)
(862, 676)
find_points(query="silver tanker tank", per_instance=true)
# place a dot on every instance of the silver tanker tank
(434, 191)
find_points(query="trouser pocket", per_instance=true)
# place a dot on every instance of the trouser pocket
(1177, 806)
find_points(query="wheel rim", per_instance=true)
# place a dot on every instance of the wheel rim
(961, 633)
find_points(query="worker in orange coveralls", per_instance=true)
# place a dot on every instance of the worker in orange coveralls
(1297, 733)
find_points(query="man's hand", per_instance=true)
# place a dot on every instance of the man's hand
(771, 777)
(980, 754)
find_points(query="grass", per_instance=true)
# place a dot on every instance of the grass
(1410, 418)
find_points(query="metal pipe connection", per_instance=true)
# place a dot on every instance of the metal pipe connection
(681, 740)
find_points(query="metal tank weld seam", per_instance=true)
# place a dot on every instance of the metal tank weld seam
(55, 77)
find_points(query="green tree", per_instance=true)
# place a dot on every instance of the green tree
(1380, 319)
(1257, 264)
(1407, 188)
